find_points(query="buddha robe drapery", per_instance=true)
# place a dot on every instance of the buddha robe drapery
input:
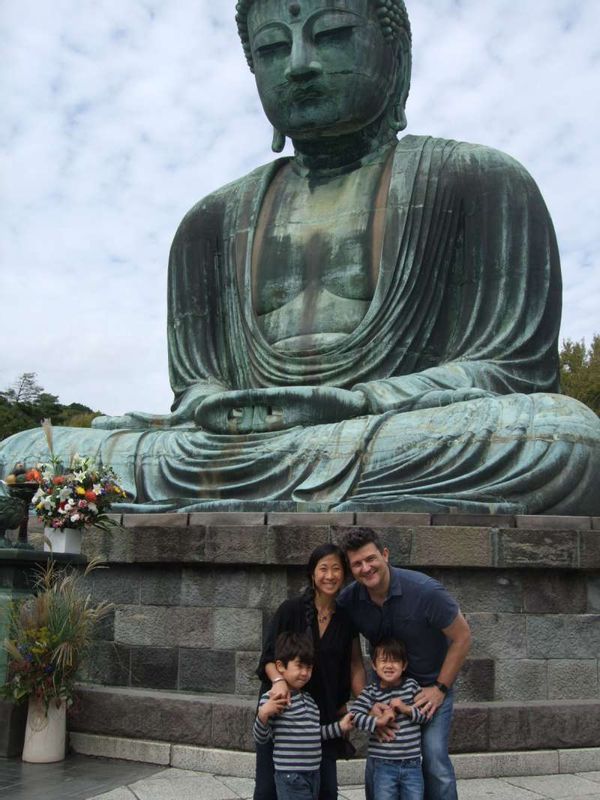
(468, 298)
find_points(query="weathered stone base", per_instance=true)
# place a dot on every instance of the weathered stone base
(225, 721)
(193, 593)
(241, 764)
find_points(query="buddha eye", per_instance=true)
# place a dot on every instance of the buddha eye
(334, 35)
(273, 49)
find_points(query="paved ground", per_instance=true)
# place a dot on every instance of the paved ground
(81, 778)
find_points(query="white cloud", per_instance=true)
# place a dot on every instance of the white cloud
(118, 116)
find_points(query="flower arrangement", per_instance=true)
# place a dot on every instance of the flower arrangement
(50, 635)
(78, 496)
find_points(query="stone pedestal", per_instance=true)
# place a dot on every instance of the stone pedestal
(192, 595)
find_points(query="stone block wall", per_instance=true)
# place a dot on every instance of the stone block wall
(193, 594)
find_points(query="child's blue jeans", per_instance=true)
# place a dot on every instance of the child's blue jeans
(398, 779)
(297, 785)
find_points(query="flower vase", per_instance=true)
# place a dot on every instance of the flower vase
(67, 540)
(45, 732)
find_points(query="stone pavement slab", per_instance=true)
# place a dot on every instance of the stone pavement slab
(559, 787)
(494, 789)
(179, 784)
(81, 778)
(352, 793)
(590, 776)
(76, 778)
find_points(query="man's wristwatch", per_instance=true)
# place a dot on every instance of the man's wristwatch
(441, 686)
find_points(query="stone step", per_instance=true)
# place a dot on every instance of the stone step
(225, 721)
(241, 764)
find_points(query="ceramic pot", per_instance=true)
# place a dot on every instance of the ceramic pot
(63, 541)
(45, 733)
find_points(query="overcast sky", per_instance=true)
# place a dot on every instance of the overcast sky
(118, 115)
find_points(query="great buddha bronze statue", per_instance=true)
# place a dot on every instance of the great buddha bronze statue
(371, 324)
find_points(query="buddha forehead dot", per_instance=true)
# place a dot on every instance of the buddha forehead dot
(294, 9)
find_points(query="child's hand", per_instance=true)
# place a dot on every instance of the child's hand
(271, 708)
(385, 718)
(347, 722)
(377, 709)
(401, 707)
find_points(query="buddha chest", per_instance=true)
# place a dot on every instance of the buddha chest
(315, 260)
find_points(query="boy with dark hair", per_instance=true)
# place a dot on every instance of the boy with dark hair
(295, 728)
(395, 765)
(391, 602)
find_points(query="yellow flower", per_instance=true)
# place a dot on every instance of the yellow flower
(80, 490)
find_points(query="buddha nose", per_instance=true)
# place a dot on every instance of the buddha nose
(303, 64)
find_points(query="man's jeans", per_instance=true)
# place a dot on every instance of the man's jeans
(297, 785)
(397, 779)
(438, 772)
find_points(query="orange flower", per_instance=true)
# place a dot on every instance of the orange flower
(91, 496)
(58, 480)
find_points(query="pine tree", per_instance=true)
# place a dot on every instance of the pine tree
(580, 371)
(24, 390)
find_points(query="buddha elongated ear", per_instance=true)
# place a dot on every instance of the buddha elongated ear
(397, 117)
(278, 142)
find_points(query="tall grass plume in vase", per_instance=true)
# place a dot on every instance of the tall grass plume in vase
(50, 635)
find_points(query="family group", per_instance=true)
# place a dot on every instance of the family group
(312, 665)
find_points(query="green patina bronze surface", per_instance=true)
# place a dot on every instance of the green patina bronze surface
(370, 324)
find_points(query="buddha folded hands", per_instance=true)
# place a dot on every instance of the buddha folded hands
(370, 324)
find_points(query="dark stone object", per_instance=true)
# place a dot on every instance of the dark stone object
(12, 728)
(154, 667)
(475, 682)
(543, 725)
(546, 548)
(144, 714)
(107, 663)
(369, 326)
(207, 670)
(226, 722)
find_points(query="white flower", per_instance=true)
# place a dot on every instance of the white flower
(75, 517)
(65, 493)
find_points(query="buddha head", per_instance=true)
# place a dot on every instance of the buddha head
(328, 68)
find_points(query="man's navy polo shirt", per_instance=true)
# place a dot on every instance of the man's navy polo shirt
(415, 611)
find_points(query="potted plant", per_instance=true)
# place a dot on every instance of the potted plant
(72, 498)
(50, 635)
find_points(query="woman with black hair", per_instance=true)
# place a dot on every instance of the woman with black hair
(338, 669)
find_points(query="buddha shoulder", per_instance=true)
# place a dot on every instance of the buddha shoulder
(207, 216)
(467, 168)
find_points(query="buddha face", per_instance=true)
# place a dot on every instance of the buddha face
(322, 67)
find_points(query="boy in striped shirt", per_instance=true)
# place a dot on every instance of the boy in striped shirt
(296, 729)
(397, 763)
